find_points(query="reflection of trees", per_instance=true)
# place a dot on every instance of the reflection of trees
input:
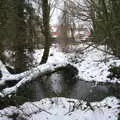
(62, 82)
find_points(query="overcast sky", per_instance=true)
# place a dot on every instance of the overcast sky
(57, 12)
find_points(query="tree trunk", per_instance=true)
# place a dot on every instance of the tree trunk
(46, 30)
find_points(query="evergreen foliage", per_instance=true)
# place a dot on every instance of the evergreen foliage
(114, 72)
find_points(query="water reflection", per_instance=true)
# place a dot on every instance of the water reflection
(91, 92)
(56, 85)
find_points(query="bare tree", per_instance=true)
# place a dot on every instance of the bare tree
(46, 30)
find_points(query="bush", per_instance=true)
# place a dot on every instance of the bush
(114, 72)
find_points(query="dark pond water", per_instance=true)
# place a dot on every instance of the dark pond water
(65, 85)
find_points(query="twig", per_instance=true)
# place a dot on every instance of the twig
(40, 109)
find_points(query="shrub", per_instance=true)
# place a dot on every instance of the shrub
(114, 72)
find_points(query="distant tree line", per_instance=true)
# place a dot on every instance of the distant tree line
(102, 18)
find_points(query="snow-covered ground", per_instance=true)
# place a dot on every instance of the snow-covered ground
(64, 109)
(91, 67)
(90, 62)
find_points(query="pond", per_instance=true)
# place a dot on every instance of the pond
(65, 84)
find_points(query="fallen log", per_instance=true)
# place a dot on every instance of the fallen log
(29, 75)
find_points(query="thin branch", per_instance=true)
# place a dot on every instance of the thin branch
(40, 109)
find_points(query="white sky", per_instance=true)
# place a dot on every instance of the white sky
(57, 12)
(56, 15)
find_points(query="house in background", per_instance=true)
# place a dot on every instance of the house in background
(65, 32)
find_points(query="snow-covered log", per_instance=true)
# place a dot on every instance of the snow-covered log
(28, 75)
(7, 76)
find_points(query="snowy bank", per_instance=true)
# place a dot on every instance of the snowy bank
(90, 63)
(64, 109)
(93, 63)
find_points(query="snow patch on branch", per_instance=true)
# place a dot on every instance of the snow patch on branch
(3, 69)
(33, 73)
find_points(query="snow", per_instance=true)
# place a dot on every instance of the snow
(31, 75)
(92, 66)
(64, 109)
(55, 55)
(56, 60)
(3, 69)
(90, 63)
